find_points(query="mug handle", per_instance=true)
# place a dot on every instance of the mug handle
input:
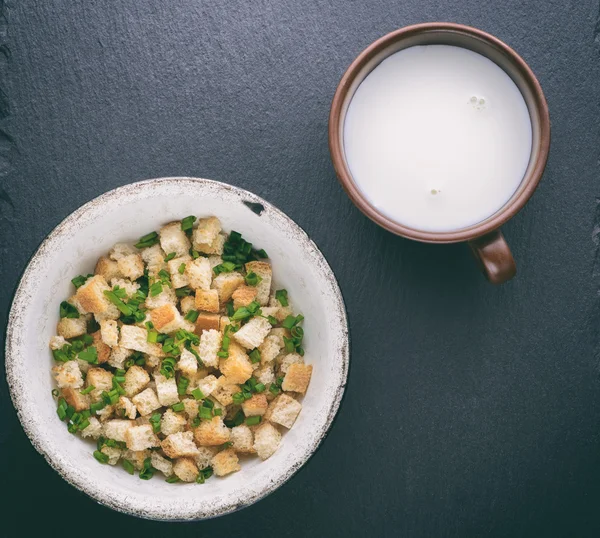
(494, 257)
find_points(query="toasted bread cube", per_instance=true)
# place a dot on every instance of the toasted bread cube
(125, 284)
(204, 456)
(257, 405)
(265, 374)
(140, 438)
(57, 342)
(207, 301)
(166, 319)
(207, 230)
(225, 391)
(161, 464)
(146, 402)
(120, 251)
(179, 445)
(116, 429)
(73, 301)
(136, 379)
(199, 273)
(106, 413)
(72, 327)
(74, 398)
(207, 385)
(225, 462)
(126, 408)
(187, 303)
(107, 268)
(113, 454)
(68, 375)
(179, 280)
(101, 380)
(102, 349)
(212, 433)
(173, 239)
(266, 440)
(263, 288)
(226, 284)
(297, 378)
(91, 297)
(283, 410)
(285, 361)
(118, 356)
(137, 457)
(166, 296)
(166, 390)
(93, 430)
(270, 348)
(172, 422)
(207, 322)
(190, 407)
(253, 333)
(237, 367)
(210, 344)
(132, 266)
(185, 469)
(243, 296)
(187, 364)
(154, 258)
(109, 332)
(216, 247)
(242, 439)
(136, 338)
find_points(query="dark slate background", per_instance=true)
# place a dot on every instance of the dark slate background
(471, 410)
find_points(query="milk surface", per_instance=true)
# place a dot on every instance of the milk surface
(437, 137)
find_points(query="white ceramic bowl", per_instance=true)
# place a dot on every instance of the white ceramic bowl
(125, 214)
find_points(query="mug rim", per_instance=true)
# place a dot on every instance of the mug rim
(529, 182)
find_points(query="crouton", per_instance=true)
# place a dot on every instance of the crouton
(72, 327)
(187, 364)
(266, 440)
(116, 429)
(187, 303)
(281, 312)
(152, 361)
(137, 457)
(283, 410)
(166, 390)
(207, 322)
(242, 439)
(166, 319)
(172, 422)
(100, 379)
(146, 402)
(106, 413)
(140, 438)
(109, 332)
(237, 367)
(263, 288)
(73, 301)
(223, 322)
(125, 284)
(225, 462)
(216, 247)
(132, 266)
(92, 299)
(161, 464)
(190, 407)
(270, 348)
(207, 301)
(173, 239)
(179, 279)
(207, 230)
(214, 260)
(225, 391)
(257, 405)
(185, 469)
(199, 273)
(285, 361)
(102, 350)
(179, 445)
(107, 268)
(74, 398)
(226, 284)
(265, 374)
(57, 342)
(93, 430)
(210, 345)
(113, 454)
(166, 296)
(207, 385)
(136, 379)
(118, 356)
(211, 432)
(243, 296)
(205, 454)
(154, 258)
(253, 333)
(126, 408)
(136, 338)
(120, 251)
(297, 378)
(68, 375)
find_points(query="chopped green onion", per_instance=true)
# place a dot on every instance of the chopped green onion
(79, 281)
(300, 351)
(196, 422)
(289, 322)
(67, 310)
(167, 367)
(183, 292)
(89, 355)
(208, 403)
(261, 253)
(152, 336)
(100, 456)
(194, 254)
(173, 479)
(55, 393)
(252, 279)
(128, 466)
(187, 223)
(236, 420)
(170, 256)
(147, 240)
(272, 320)
(217, 412)
(192, 316)
(205, 413)
(164, 276)
(289, 344)
(238, 398)
(197, 394)
(88, 389)
(62, 414)
(178, 407)
(297, 332)
(114, 299)
(182, 385)
(229, 308)
(156, 289)
(97, 406)
(155, 421)
(253, 421)
(259, 387)
(149, 325)
(254, 356)
(223, 354)
(225, 267)
(148, 471)
(282, 297)
(83, 425)
(181, 269)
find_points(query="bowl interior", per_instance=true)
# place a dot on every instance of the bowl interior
(124, 215)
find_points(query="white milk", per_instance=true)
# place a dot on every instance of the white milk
(437, 137)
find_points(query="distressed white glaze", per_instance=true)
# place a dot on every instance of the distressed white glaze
(125, 214)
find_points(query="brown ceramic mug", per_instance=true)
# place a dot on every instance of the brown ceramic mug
(484, 238)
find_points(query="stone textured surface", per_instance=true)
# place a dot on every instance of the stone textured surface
(470, 410)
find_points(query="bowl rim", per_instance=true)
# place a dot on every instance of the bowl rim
(12, 351)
